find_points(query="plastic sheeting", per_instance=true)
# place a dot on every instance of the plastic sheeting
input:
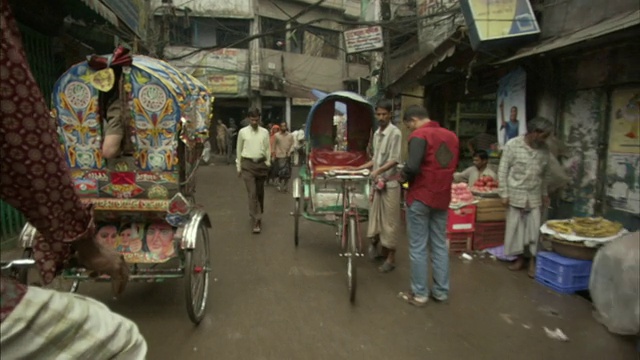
(615, 285)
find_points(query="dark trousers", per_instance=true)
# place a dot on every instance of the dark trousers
(254, 175)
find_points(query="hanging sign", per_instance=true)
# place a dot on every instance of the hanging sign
(363, 39)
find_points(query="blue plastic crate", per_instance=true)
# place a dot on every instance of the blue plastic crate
(562, 290)
(561, 272)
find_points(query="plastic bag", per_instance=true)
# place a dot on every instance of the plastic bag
(615, 285)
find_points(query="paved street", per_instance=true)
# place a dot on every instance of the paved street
(270, 300)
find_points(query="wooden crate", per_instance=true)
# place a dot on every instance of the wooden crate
(490, 210)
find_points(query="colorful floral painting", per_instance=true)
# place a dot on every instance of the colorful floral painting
(75, 104)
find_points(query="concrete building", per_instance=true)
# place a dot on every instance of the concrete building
(268, 54)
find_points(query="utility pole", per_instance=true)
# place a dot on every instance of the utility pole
(385, 14)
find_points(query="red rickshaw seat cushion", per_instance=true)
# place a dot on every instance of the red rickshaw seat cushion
(323, 160)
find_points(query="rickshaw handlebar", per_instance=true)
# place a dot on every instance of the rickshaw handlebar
(349, 174)
(18, 263)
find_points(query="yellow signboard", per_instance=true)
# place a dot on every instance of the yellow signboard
(223, 84)
(497, 19)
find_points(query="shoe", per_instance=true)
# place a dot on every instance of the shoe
(257, 227)
(440, 298)
(412, 299)
(517, 265)
(386, 267)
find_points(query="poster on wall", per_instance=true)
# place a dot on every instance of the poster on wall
(623, 182)
(625, 121)
(511, 106)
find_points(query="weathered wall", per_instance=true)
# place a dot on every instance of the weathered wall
(310, 72)
(269, 9)
(240, 9)
(561, 17)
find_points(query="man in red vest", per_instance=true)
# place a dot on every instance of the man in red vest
(433, 158)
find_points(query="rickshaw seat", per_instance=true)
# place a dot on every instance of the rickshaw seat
(323, 160)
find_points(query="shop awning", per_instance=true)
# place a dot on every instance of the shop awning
(616, 23)
(102, 10)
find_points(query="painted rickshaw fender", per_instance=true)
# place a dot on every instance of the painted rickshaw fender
(190, 231)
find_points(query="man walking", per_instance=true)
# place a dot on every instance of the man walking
(283, 149)
(384, 214)
(253, 161)
(433, 158)
(524, 176)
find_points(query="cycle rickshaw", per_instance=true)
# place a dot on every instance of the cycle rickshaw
(143, 199)
(327, 190)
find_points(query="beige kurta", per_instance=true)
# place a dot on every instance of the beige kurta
(384, 212)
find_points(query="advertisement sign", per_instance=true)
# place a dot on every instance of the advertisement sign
(223, 84)
(490, 20)
(302, 102)
(363, 39)
(625, 121)
(511, 102)
(623, 182)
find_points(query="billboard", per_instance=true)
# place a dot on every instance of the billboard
(499, 21)
(363, 39)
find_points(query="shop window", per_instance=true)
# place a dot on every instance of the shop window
(362, 58)
(232, 31)
(205, 32)
(321, 43)
(273, 41)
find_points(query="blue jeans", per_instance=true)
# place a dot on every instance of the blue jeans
(427, 230)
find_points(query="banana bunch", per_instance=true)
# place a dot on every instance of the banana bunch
(560, 226)
(595, 227)
(591, 227)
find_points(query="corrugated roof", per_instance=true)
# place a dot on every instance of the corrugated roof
(605, 27)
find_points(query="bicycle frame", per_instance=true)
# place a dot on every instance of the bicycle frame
(349, 210)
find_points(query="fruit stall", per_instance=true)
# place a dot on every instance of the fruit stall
(476, 216)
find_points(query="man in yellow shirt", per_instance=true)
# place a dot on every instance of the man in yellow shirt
(113, 130)
(253, 161)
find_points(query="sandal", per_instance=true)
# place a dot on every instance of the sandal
(410, 298)
(386, 267)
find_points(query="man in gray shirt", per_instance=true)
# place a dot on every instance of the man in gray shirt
(384, 213)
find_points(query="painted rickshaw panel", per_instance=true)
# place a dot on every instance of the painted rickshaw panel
(132, 194)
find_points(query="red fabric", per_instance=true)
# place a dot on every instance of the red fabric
(34, 177)
(120, 57)
(432, 186)
(324, 160)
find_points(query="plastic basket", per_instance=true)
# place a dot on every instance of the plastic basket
(559, 272)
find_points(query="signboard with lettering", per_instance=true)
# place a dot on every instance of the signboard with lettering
(499, 22)
(363, 39)
(223, 84)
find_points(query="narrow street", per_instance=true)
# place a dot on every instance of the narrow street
(269, 300)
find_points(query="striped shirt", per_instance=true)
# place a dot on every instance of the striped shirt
(523, 174)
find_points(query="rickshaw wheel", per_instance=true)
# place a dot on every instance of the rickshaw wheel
(30, 277)
(296, 220)
(352, 250)
(197, 267)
